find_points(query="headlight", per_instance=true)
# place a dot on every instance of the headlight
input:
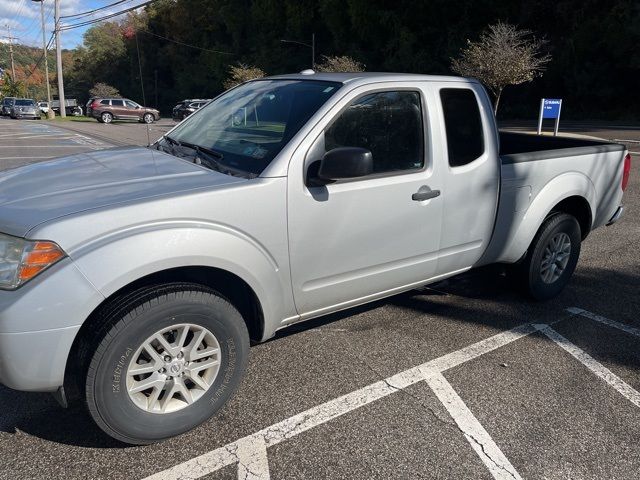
(21, 260)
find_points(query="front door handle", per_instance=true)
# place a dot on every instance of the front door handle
(425, 193)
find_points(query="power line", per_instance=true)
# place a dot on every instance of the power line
(40, 59)
(185, 44)
(19, 10)
(90, 12)
(47, 18)
(106, 17)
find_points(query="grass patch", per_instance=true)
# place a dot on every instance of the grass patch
(70, 118)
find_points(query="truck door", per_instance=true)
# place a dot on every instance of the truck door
(354, 240)
(471, 177)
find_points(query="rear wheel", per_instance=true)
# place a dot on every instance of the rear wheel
(552, 257)
(168, 358)
(106, 117)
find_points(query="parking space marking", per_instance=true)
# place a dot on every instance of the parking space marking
(23, 158)
(250, 452)
(605, 321)
(45, 146)
(215, 460)
(479, 439)
(592, 364)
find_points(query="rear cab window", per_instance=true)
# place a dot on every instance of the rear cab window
(463, 125)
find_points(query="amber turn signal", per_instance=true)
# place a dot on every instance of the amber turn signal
(41, 255)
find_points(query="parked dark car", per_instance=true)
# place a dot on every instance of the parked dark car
(25, 108)
(106, 110)
(187, 107)
(7, 103)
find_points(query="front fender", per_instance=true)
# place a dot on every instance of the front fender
(556, 190)
(119, 259)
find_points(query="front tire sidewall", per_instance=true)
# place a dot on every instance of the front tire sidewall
(565, 223)
(107, 395)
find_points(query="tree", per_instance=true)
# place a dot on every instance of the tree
(339, 64)
(103, 90)
(11, 88)
(503, 56)
(242, 73)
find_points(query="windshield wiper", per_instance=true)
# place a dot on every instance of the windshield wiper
(210, 158)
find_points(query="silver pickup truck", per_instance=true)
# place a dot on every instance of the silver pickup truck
(135, 278)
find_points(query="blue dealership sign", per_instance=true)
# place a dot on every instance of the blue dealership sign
(551, 107)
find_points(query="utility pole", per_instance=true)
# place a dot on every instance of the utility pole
(63, 112)
(44, 51)
(313, 51)
(13, 67)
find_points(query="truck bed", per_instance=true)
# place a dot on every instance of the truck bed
(524, 147)
(530, 185)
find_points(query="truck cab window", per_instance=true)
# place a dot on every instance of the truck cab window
(389, 124)
(465, 137)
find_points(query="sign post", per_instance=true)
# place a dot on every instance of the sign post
(550, 108)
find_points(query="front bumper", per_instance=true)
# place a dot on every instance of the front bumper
(38, 324)
(616, 216)
(35, 361)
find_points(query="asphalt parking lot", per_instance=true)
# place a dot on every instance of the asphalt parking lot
(466, 379)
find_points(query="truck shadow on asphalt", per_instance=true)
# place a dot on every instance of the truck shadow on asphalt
(484, 297)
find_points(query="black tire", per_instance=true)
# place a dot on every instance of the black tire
(148, 118)
(531, 268)
(133, 320)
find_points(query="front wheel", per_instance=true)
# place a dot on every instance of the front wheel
(169, 358)
(148, 118)
(552, 257)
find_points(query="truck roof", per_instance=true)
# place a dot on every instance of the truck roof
(368, 77)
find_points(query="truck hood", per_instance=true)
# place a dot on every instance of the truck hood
(44, 191)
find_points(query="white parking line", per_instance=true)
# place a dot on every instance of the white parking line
(605, 321)
(23, 158)
(44, 146)
(592, 364)
(250, 452)
(493, 458)
(224, 456)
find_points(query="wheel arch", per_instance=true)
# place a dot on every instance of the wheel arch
(571, 193)
(236, 290)
(578, 207)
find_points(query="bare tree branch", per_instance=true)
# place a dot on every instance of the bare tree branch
(339, 64)
(241, 73)
(503, 56)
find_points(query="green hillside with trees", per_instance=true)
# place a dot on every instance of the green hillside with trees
(186, 47)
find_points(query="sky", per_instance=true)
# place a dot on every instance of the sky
(23, 18)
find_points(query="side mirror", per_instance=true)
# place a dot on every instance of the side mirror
(344, 163)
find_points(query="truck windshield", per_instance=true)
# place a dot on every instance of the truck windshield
(249, 125)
